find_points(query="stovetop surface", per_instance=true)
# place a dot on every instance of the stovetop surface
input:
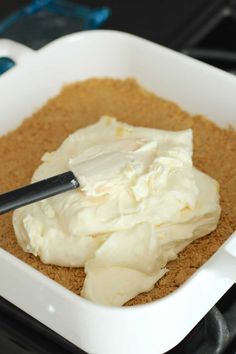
(205, 30)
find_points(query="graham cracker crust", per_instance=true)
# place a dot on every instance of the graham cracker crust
(85, 102)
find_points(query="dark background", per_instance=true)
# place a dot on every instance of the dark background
(168, 22)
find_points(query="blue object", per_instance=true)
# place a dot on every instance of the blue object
(5, 64)
(42, 21)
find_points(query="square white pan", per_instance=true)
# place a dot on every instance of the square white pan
(199, 88)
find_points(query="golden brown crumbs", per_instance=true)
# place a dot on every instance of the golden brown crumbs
(83, 103)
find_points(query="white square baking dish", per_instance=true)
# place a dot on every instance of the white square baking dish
(199, 88)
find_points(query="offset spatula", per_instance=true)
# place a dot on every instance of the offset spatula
(38, 191)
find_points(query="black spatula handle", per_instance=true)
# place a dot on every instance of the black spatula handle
(37, 191)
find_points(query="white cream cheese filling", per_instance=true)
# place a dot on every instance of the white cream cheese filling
(141, 202)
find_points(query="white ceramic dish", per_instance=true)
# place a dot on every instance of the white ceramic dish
(160, 325)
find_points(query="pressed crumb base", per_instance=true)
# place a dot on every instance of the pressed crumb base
(83, 103)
